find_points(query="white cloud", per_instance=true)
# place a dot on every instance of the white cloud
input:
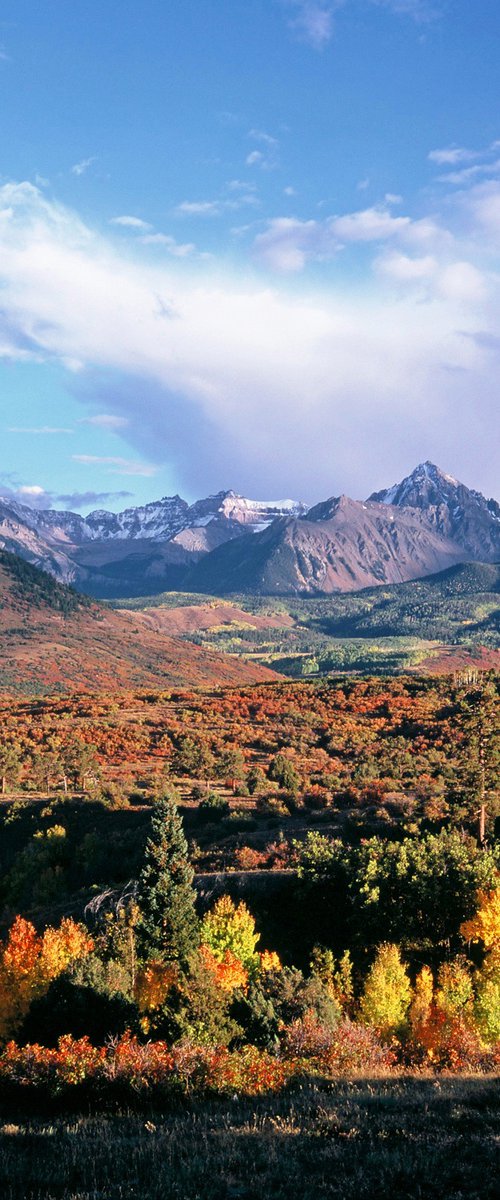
(106, 421)
(216, 208)
(266, 158)
(452, 155)
(80, 168)
(419, 10)
(31, 495)
(483, 205)
(312, 20)
(288, 244)
(255, 159)
(458, 281)
(238, 382)
(199, 208)
(130, 222)
(240, 185)
(32, 490)
(473, 165)
(465, 175)
(462, 282)
(177, 249)
(41, 429)
(261, 135)
(427, 232)
(34, 496)
(266, 161)
(469, 175)
(369, 225)
(116, 464)
(403, 269)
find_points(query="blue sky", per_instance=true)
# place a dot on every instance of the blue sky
(248, 244)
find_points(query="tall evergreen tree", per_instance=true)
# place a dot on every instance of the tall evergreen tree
(480, 724)
(167, 928)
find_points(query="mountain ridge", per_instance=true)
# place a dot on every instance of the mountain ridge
(427, 522)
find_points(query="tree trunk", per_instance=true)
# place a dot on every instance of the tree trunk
(482, 787)
(482, 824)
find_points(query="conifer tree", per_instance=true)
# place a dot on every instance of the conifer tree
(167, 928)
(481, 752)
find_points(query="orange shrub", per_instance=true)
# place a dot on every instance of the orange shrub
(228, 971)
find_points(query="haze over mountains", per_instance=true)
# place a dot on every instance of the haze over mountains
(227, 543)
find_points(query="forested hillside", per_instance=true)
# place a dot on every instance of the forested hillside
(448, 621)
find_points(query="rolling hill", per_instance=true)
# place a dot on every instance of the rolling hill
(55, 640)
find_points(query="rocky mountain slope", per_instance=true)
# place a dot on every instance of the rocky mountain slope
(111, 554)
(339, 547)
(455, 511)
(159, 521)
(54, 640)
(226, 542)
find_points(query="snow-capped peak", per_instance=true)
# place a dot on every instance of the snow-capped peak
(458, 512)
(427, 484)
(160, 520)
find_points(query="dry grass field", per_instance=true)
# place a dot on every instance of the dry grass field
(351, 1139)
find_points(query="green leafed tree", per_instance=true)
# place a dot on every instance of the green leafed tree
(283, 771)
(193, 757)
(10, 765)
(167, 928)
(231, 766)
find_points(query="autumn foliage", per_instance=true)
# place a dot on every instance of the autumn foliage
(29, 962)
(401, 932)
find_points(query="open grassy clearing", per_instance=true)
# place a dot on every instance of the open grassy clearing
(410, 1137)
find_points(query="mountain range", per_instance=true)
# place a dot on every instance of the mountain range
(229, 544)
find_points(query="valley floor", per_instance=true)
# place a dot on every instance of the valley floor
(351, 1139)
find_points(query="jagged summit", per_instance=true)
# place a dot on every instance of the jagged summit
(456, 511)
(327, 509)
(427, 484)
(160, 520)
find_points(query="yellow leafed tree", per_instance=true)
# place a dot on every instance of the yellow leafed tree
(231, 927)
(387, 993)
(485, 925)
